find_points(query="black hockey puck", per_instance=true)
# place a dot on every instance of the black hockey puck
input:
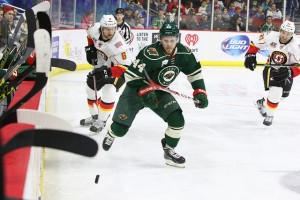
(97, 178)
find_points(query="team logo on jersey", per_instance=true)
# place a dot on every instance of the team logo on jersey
(191, 40)
(235, 45)
(152, 51)
(167, 75)
(103, 55)
(278, 57)
(122, 116)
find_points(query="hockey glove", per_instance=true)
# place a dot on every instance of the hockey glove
(148, 96)
(281, 74)
(91, 55)
(250, 61)
(102, 72)
(201, 96)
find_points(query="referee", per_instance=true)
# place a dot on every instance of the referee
(123, 27)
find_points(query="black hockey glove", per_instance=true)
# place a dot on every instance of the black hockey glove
(148, 96)
(91, 54)
(201, 96)
(101, 75)
(102, 72)
(250, 61)
(281, 74)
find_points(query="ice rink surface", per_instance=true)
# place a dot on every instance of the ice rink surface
(230, 154)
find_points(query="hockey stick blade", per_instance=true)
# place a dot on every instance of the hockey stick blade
(55, 139)
(44, 22)
(63, 64)
(34, 117)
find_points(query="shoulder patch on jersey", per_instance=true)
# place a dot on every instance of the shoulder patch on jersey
(119, 44)
(261, 37)
(152, 51)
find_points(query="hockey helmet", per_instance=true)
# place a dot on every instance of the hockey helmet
(169, 29)
(288, 26)
(108, 21)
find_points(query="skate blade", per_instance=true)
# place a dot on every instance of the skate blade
(172, 164)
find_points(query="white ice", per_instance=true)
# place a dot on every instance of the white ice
(230, 154)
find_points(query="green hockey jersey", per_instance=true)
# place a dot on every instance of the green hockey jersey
(162, 68)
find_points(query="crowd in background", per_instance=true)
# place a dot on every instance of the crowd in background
(218, 15)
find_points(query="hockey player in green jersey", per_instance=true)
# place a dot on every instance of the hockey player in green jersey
(162, 61)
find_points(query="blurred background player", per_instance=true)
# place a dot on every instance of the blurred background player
(163, 61)
(122, 26)
(106, 51)
(278, 79)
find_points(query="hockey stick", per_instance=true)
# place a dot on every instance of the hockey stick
(278, 65)
(159, 87)
(30, 45)
(42, 41)
(45, 23)
(63, 64)
(56, 139)
(34, 117)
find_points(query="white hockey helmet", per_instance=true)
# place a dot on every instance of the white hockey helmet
(288, 26)
(108, 21)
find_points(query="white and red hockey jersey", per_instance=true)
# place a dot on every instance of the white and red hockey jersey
(281, 54)
(112, 52)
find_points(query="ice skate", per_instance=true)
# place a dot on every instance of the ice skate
(260, 106)
(268, 120)
(97, 126)
(171, 157)
(107, 142)
(88, 121)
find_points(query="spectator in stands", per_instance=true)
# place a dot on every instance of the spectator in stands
(231, 9)
(159, 20)
(204, 23)
(1, 14)
(238, 14)
(7, 24)
(153, 5)
(87, 19)
(239, 3)
(218, 4)
(202, 9)
(253, 8)
(266, 4)
(208, 8)
(260, 13)
(176, 4)
(163, 4)
(238, 25)
(252, 27)
(291, 7)
(269, 26)
(192, 22)
(188, 6)
(141, 23)
(219, 24)
(225, 16)
(274, 12)
(128, 17)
